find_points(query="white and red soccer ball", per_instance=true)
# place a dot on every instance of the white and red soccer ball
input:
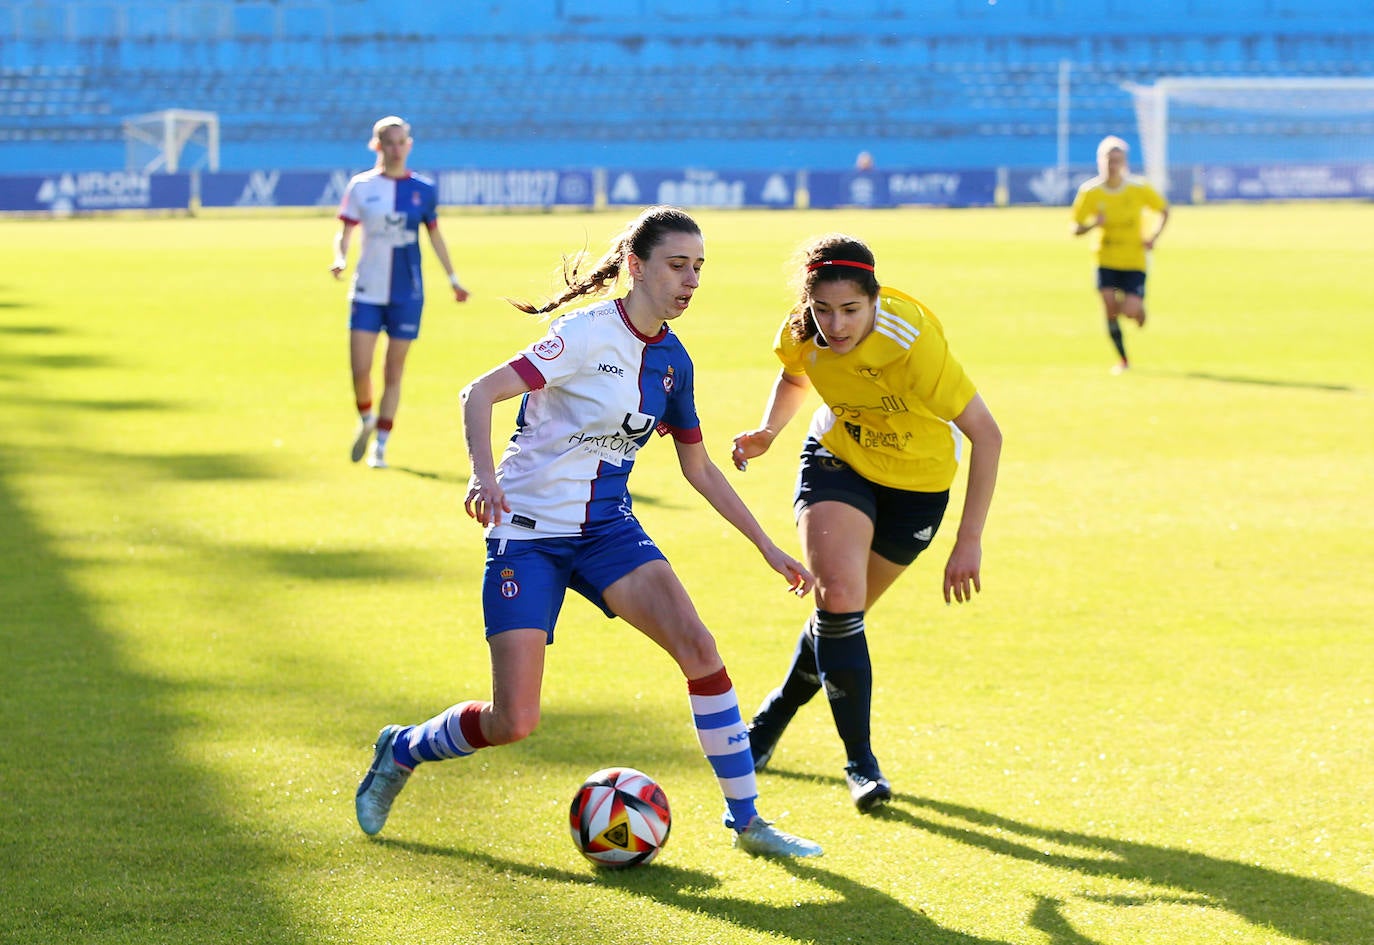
(619, 817)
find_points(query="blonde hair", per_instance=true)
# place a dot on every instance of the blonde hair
(382, 124)
(1106, 146)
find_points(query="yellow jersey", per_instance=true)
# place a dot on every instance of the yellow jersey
(1120, 242)
(889, 401)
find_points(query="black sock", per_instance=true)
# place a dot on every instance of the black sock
(1114, 329)
(847, 674)
(801, 684)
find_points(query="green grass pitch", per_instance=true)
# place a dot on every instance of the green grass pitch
(1153, 727)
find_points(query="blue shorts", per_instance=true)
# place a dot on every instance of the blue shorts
(525, 581)
(1125, 281)
(400, 319)
(904, 522)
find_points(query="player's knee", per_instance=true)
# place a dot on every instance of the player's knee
(839, 595)
(695, 651)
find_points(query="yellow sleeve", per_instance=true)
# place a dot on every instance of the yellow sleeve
(1084, 207)
(788, 350)
(944, 389)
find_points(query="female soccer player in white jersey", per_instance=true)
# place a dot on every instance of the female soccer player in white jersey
(876, 468)
(1112, 202)
(557, 514)
(391, 204)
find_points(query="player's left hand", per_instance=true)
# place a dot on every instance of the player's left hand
(799, 579)
(962, 571)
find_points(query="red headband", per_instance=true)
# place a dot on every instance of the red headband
(838, 262)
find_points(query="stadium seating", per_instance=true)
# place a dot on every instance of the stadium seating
(636, 83)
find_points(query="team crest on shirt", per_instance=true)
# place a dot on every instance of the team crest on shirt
(668, 382)
(510, 588)
(549, 348)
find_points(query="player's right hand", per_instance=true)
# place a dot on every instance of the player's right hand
(485, 503)
(750, 444)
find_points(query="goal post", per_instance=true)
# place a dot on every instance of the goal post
(1196, 120)
(172, 140)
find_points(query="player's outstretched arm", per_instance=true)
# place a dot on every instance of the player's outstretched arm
(707, 479)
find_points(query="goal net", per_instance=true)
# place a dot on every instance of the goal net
(1236, 121)
(170, 141)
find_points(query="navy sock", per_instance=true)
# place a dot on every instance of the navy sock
(847, 674)
(1114, 329)
(802, 682)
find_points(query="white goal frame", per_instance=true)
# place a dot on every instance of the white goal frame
(165, 135)
(1152, 103)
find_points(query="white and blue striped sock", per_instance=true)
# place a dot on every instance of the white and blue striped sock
(725, 739)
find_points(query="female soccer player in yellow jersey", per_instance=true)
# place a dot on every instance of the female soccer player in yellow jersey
(876, 469)
(1112, 202)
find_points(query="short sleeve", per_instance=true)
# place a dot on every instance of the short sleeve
(788, 349)
(559, 354)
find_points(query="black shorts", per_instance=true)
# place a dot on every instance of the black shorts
(1125, 281)
(904, 522)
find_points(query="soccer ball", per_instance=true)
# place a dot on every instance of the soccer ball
(619, 818)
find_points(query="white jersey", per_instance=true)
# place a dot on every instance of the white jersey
(391, 211)
(598, 390)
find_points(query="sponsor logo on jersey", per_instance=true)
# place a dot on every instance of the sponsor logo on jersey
(523, 521)
(550, 348)
(637, 424)
(876, 439)
(611, 369)
(617, 446)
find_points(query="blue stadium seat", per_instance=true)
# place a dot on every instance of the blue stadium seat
(955, 85)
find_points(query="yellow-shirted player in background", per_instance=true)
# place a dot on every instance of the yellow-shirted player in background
(876, 468)
(1112, 202)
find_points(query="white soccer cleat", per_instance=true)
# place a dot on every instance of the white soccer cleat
(381, 784)
(376, 458)
(366, 425)
(761, 838)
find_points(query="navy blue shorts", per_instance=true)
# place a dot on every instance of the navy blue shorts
(525, 581)
(904, 522)
(1126, 281)
(400, 319)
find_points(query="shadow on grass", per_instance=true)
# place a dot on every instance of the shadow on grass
(851, 912)
(1268, 382)
(36, 330)
(459, 478)
(105, 833)
(1309, 910)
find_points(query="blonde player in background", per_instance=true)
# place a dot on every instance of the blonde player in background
(1112, 203)
(390, 204)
